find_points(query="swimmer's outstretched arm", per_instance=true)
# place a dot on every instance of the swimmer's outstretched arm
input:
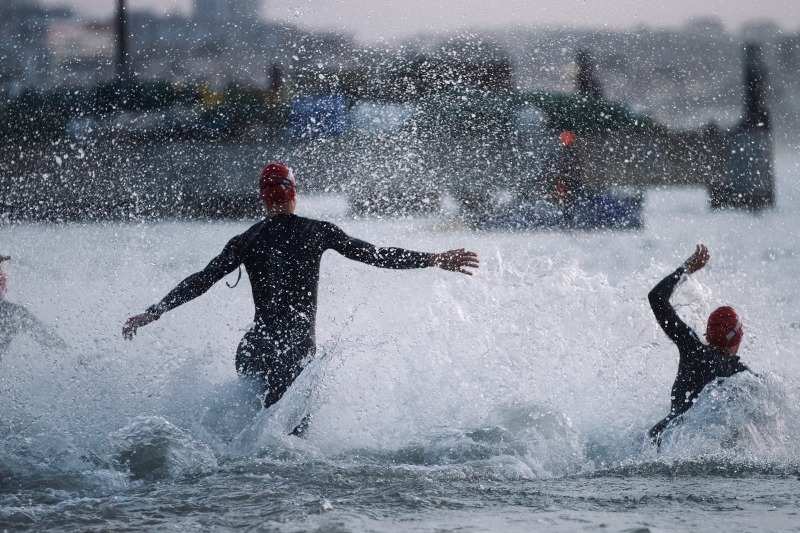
(43, 334)
(190, 288)
(26, 322)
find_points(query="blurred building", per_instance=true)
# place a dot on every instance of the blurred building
(224, 43)
(684, 77)
(24, 51)
(82, 52)
(216, 11)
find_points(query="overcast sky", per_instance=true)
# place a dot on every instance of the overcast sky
(372, 20)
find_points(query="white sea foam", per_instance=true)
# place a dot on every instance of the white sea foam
(550, 347)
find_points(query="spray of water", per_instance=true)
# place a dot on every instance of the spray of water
(545, 363)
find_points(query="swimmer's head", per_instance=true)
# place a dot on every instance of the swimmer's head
(276, 185)
(567, 138)
(724, 329)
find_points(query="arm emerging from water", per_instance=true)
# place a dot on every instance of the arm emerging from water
(675, 328)
(41, 332)
(18, 319)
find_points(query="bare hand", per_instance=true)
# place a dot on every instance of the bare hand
(455, 260)
(134, 323)
(698, 259)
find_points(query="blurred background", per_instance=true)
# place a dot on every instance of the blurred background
(130, 109)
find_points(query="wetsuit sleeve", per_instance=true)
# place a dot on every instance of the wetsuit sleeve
(364, 252)
(199, 282)
(741, 367)
(675, 328)
(37, 329)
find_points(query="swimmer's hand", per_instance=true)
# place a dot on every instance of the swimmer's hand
(455, 260)
(698, 259)
(136, 322)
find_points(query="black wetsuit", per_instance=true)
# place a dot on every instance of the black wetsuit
(282, 257)
(699, 363)
(569, 188)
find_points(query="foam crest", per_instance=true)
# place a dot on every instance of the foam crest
(152, 448)
(744, 419)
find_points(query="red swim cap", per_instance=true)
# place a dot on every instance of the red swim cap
(724, 328)
(276, 184)
(567, 138)
(3, 282)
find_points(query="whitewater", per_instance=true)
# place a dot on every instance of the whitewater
(516, 399)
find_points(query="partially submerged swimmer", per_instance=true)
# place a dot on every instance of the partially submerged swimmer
(15, 319)
(699, 363)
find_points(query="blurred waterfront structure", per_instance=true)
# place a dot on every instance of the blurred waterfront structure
(217, 92)
(224, 42)
(212, 12)
(24, 48)
(683, 77)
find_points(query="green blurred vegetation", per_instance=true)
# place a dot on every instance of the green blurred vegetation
(37, 116)
(452, 98)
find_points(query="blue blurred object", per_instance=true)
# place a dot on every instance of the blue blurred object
(524, 217)
(319, 115)
(608, 211)
(602, 210)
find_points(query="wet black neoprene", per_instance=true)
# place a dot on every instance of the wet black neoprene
(282, 256)
(699, 363)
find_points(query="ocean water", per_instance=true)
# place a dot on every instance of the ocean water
(514, 400)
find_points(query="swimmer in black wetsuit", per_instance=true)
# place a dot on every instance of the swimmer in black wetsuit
(699, 363)
(282, 255)
(568, 190)
(16, 319)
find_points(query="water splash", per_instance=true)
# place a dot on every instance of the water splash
(152, 448)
